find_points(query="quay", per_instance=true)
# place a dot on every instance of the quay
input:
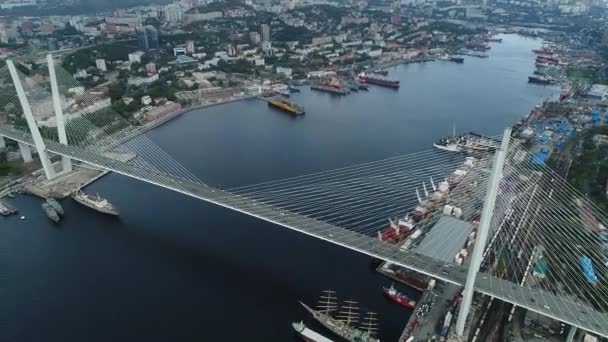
(7, 209)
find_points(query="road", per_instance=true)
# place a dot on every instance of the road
(563, 309)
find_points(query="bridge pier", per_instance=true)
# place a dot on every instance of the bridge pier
(2, 142)
(49, 171)
(63, 139)
(26, 152)
(482, 233)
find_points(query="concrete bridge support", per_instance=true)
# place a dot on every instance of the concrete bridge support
(65, 161)
(26, 153)
(49, 171)
(482, 233)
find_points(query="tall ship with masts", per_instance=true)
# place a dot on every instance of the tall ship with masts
(345, 322)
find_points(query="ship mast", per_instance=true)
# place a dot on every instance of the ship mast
(370, 323)
(349, 314)
(327, 302)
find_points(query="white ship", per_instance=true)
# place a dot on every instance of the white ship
(95, 202)
(308, 334)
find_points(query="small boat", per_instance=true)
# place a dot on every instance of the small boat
(399, 297)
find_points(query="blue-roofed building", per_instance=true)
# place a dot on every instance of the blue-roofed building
(184, 59)
(539, 158)
(588, 270)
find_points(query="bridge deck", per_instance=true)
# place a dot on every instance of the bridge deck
(564, 309)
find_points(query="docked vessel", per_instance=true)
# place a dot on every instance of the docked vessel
(380, 80)
(50, 212)
(308, 334)
(95, 202)
(381, 72)
(286, 106)
(332, 87)
(343, 324)
(55, 205)
(540, 80)
(412, 279)
(399, 297)
(456, 59)
(468, 143)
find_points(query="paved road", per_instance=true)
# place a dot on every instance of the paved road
(563, 309)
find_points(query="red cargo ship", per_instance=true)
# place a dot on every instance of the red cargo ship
(380, 80)
(399, 297)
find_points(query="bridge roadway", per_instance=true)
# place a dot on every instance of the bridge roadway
(567, 310)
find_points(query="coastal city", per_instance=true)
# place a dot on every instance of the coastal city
(458, 146)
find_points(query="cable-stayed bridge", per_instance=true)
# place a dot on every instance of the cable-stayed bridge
(534, 221)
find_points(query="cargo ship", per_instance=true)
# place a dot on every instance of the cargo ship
(544, 51)
(540, 80)
(333, 86)
(286, 106)
(380, 80)
(343, 325)
(50, 212)
(412, 279)
(399, 297)
(96, 203)
(307, 334)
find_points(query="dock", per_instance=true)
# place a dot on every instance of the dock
(7, 209)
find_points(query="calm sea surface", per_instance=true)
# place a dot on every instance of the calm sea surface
(173, 268)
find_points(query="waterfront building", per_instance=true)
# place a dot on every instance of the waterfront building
(598, 92)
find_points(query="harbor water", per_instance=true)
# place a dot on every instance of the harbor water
(172, 268)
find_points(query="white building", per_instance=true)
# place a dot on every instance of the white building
(173, 13)
(101, 65)
(598, 92)
(190, 47)
(135, 57)
(285, 71)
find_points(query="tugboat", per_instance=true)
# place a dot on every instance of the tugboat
(399, 297)
(50, 212)
(96, 203)
(343, 324)
(55, 205)
(307, 334)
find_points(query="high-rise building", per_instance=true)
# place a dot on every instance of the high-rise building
(173, 13)
(142, 38)
(265, 33)
(52, 44)
(254, 37)
(190, 46)
(151, 68)
(101, 65)
(147, 37)
(152, 34)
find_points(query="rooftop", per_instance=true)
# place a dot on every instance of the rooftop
(446, 238)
